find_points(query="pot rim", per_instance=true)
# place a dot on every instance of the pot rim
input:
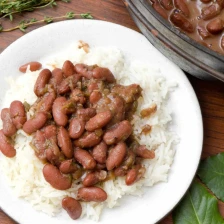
(179, 32)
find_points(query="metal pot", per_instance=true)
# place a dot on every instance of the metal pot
(189, 55)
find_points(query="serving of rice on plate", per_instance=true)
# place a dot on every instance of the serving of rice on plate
(24, 171)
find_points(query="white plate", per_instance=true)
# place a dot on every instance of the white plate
(159, 199)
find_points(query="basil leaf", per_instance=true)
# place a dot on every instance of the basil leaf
(211, 172)
(197, 207)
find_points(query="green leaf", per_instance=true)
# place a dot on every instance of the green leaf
(33, 20)
(70, 15)
(211, 172)
(48, 19)
(86, 16)
(197, 207)
(22, 29)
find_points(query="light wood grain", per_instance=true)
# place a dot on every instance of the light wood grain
(210, 94)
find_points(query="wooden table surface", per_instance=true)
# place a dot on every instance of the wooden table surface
(210, 94)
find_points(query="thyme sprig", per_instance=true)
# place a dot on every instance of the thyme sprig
(10, 7)
(47, 19)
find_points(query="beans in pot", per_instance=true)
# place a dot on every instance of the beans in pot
(201, 20)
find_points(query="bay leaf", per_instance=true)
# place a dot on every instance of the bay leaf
(197, 207)
(211, 173)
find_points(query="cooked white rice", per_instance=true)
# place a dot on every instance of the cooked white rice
(24, 171)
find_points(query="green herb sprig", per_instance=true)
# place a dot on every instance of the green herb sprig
(10, 7)
(47, 19)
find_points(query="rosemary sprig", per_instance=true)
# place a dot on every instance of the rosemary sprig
(10, 7)
(26, 23)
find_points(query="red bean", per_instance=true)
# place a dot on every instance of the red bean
(100, 152)
(54, 177)
(78, 96)
(76, 128)
(59, 114)
(57, 75)
(68, 68)
(95, 96)
(116, 156)
(89, 139)
(47, 101)
(210, 11)
(84, 158)
(215, 26)
(64, 142)
(34, 66)
(73, 207)
(103, 74)
(9, 129)
(57, 78)
(42, 81)
(50, 132)
(18, 114)
(92, 194)
(118, 132)
(159, 9)
(84, 70)
(53, 153)
(131, 176)
(6, 146)
(115, 104)
(143, 152)
(68, 166)
(182, 6)
(99, 121)
(179, 20)
(94, 177)
(86, 113)
(93, 86)
(39, 145)
(126, 164)
(134, 174)
(68, 84)
(35, 123)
